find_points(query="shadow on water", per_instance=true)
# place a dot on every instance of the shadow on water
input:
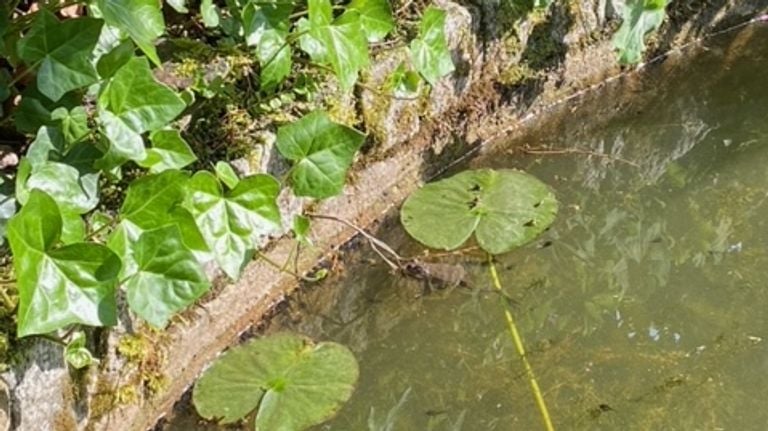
(643, 306)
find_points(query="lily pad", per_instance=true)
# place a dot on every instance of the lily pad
(503, 208)
(291, 382)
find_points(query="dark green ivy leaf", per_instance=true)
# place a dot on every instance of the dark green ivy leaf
(232, 223)
(61, 51)
(141, 19)
(167, 276)
(169, 151)
(58, 286)
(429, 51)
(321, 151)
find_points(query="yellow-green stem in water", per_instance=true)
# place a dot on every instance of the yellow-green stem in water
(521, 351)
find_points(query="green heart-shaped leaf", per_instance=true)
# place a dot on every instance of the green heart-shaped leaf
(232, 223)
(293, 382)
(504, 208)
(62, 52)
(375, 18)
(429, 51)
(58, 286)
(167, 276)
(133, 103)
(141, 19)
(322, 152)
(169, 151)
(639, 18)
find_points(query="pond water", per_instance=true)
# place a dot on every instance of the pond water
(643, 307)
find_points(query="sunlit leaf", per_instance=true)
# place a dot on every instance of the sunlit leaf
(226, 174)
(133, 103)
(429, 51)
(343, 42)
(76, 354)
(209, 13)
(639, 18)
(73, 191)
(321, 151)
(73, 123)
(293, 382)
(167, 276)
(58, 286)
(274, 53)
(233, 222)
(503, 208)
(375, 18)
(260, 18)
(169, 151)
(141, 19)
(7, 206)
(116, 58)
(179, 6)
(61, 51)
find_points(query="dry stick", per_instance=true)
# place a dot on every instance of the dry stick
(281, 268)
(554, 151)
(377, 245)
(521, 351)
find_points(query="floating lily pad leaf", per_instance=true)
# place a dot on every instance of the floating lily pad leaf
(504, 208)
(639, 18)
(274, 53)
(209, 13)
(260, 18)
(140, 19)
(344, 45)
(226, 174)
(168, 277)
(429, 51)
(293, 382)
(375, 18)
(321, 151)
(233, 222)
(133, 103)
(58, 286)
(169, 151)
(62, 52)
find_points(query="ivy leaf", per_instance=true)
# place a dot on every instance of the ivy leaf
(62, 50)
(58, 286)
(307, 43)
(179, 6)
(301, 225)
(344, 45)
(261, 18)
(210, 13)
(232, 223)
(429, 51)
(142, 20)
(73, 123)
(74, 192)
(167, 279)
(375, 18)
(7, 206)
(320, 12)
(640, 17)
(116, 58)
(76, 354)
(169, 151)
(35, 109)
(321, 151)
(275, 57)
(133, 103)
(404, 82)
(226, 174)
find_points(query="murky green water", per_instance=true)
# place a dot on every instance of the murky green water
(644, 307)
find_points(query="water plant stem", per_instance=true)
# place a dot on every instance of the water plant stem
(538, 396)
